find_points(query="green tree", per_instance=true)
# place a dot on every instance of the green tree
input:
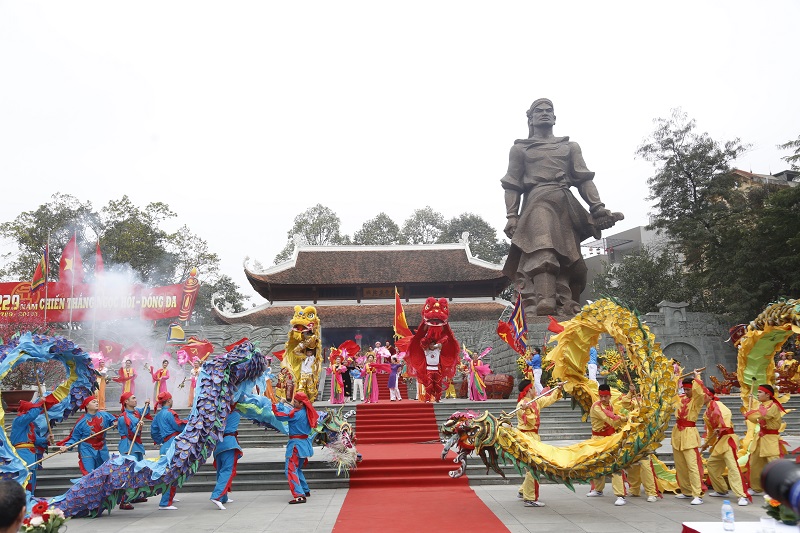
(423, 227)
(130, 238)
(794, 159)
(61, 217)
(380, 230)
(644, 278)
(698, 202)
(189, 250)
(775, 245)
(224, 293)
(133, 236)
(318, 225)
(483, 241)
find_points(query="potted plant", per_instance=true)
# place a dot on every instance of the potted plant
(20, 382)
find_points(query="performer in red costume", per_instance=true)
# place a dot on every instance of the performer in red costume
(433, 352)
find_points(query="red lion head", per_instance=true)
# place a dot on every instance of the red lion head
(436, 312)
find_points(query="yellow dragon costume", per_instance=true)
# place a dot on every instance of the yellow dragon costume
(303, 355)
(495, 438)
(758, 342)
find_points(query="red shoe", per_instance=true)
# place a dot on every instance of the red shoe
(126, 507)
(299, 499)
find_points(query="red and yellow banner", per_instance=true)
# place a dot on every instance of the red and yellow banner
(81, 303)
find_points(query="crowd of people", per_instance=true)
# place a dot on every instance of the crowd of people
(353, 376)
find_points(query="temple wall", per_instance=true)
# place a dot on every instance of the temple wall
(695, 340)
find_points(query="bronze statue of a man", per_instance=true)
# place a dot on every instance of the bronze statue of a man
(545, 261)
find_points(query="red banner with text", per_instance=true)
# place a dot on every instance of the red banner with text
(78, 303)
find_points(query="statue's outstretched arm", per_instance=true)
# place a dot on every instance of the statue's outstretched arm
(513, 184)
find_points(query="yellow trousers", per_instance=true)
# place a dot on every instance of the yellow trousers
(617, 484)
(717, 464)
(529, 488)
(639, 474)
(757, 464)
(687, 468)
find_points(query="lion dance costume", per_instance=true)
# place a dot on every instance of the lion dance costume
(433, 352)
(303, 354)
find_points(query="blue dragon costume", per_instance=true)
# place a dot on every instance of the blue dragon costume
(222, 383)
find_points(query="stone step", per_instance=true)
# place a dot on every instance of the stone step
(249, 476)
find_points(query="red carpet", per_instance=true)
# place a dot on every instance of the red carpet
(402, 485)
(393, 422)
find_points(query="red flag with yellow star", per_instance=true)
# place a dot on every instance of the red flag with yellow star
(70, 268)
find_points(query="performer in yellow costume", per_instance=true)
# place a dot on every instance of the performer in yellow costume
(528, 421)
(722, 440)
(686, 440)
(768, 416)
(640, 473)
(604, 424)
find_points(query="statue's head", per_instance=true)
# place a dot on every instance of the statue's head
(540, 113)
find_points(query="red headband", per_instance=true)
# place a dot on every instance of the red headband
(86, 401)
(604, 392)
(771, 395)
(524, 392)
(163, 398)
(310, 411)
(125, 397)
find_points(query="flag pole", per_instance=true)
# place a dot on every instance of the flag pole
(46, 276)
(94, 307)
(72, 284)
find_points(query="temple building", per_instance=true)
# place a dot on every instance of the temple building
(353, 289)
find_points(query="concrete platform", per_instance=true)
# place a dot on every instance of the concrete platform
(566, 512)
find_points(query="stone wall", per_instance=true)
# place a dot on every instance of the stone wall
(695, 340)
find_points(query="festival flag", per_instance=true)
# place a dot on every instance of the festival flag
(70, 268)
(518, 325)
(554, 326)
(110, 349)
(400, 323)
(40, 276)
(197, 348)
(231, 346)
(175, 334)
(504, 332)
(137, 351)
(99, 268)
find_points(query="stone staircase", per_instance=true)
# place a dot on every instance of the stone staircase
(561, 425)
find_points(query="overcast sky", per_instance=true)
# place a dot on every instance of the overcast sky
(240, 115)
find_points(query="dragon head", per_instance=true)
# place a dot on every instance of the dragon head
(736, 333)
(461, 424)
(473, 432)
(305, 319)
(435, 312)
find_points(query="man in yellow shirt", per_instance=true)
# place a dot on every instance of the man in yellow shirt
(604, 424)
(686, 440)
(768, 416)
(723, 443)
(528, 420)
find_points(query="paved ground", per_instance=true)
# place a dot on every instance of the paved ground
(566, 512)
